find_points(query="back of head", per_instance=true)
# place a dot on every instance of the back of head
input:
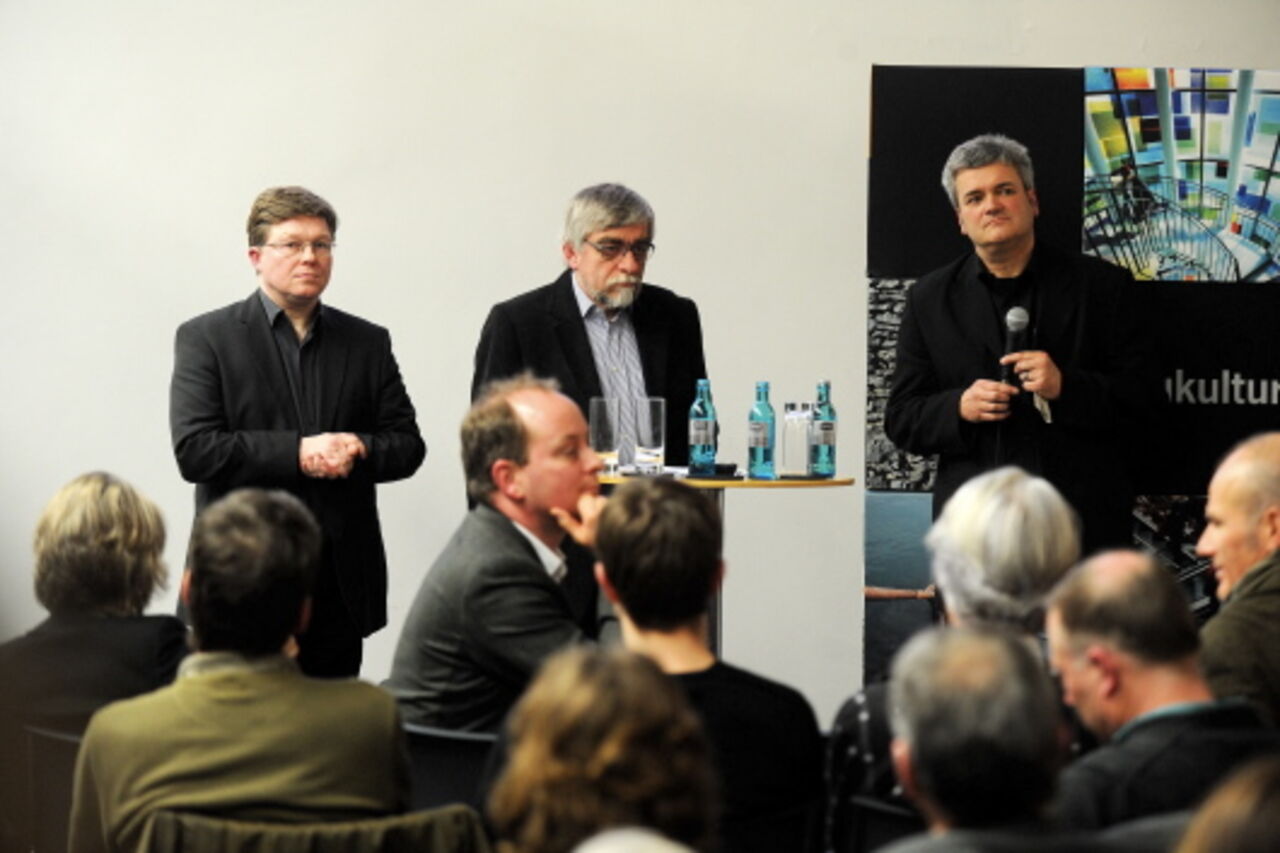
(252, 561)
(979, 715)
(982, 151)
(1241, 816)
(492, 430)
(1125, 599)
(601, 207)
(98, 548)
(1001, 543)
(602, 739)
(660, 544)
(278, 204)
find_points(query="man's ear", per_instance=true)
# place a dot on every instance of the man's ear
(506, 479)
(902, 767)
(571, 256)
(1035, 202)
(606, 586)
(1269, 527)
(1104, 661)
(255, 255)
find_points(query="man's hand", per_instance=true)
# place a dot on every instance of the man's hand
(1038, 373)
(330, 455)
(986, 400)
(582, 526)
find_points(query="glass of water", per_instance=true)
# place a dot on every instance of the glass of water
(606, 437)
(651, 434)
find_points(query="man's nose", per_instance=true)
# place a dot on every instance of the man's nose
(629, 264)
(594, 463)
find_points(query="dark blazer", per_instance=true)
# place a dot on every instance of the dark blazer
(486, 616)
(542, 331)
(1085, 315)
(234, 424)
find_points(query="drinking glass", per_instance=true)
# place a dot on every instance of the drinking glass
(651, 430)
(602, 417)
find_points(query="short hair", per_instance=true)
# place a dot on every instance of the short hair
(601, 739)
(253, 559)
(1001, 543)
(1255, 462)
(492, 430)
(1242, 815)
(660, 543)
(1143, 613)
(980, 716)
(98, 548)
(604, 206)
(277, 204)
(983, 151)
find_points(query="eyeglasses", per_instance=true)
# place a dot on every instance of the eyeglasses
(318, 247)
(610, 249)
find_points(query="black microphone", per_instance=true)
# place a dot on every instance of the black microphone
(1015, 340)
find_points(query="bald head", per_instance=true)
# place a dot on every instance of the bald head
(1126, 600)
(1242, 516)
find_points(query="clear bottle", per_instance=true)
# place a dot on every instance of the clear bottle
(702, 432)
(793, 453)
(822, 434)
(761, 436)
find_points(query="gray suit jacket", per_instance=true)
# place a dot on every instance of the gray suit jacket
(487, 614)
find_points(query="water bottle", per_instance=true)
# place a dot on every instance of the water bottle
(761, 436)
(702, 432)
(822, 434)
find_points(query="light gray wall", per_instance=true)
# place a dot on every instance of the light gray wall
(133, 136)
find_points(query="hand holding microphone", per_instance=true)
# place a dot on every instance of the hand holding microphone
(1032, 370)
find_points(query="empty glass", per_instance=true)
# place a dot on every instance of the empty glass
(602, 417)
(651, 434)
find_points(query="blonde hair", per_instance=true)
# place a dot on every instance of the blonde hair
(602, 739)
(98, 548)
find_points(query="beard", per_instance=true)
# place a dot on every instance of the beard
(616, 295)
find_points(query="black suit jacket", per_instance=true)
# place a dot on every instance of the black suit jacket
(486, 616)
(1085, 314)
(234, 424)
(542, 331)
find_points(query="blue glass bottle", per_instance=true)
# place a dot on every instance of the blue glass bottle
(761, 436)
(702, 432)
(822, 434)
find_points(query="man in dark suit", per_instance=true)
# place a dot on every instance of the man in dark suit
(1077, 379)
(280, 391)
(492, 608)
(597, 329)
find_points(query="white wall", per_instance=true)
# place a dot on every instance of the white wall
(133, 136)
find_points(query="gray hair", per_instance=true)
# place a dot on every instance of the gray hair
(1002, 542)
(604, 206)
(983, 151)
(980, 717)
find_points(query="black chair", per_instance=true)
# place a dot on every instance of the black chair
(867, 823)
(447, 766)
(51, 769)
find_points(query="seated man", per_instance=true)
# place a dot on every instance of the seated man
(1124, 643)
(491, 608)
(1241, 655)
(242, 733)
(659, 547)
(976, 740)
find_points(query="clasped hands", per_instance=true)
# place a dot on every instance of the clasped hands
(330, 455)
(988, 399)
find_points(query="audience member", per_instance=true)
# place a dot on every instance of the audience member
(602, 739)
(1124, 644)
(98, 549)
(491, 608)
(659, 546)
(999, 546)
(1241, 654)
(630, 840)
(1242, 815)
(976, 736)
(242, 733)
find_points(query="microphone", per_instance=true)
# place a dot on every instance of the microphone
(1015, 339)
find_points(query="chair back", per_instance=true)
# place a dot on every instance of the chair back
(447, 766)
(51, 770)
(452, 829)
